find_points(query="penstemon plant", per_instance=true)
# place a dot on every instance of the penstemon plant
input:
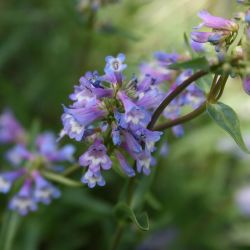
(122, 120)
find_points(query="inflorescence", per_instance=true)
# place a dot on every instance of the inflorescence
(28, 163)
(112, 114)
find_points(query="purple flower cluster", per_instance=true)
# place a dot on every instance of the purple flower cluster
(222, 30)
(113, 114)
(28, 164)
(222, 34)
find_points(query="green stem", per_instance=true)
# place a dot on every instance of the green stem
(131, 184)
(182, 119)
(71, 170)
(121, 226)
(173, 95)
(214, 87)
(223, 84)
(118, 235)
(217, 90)
(11, 228)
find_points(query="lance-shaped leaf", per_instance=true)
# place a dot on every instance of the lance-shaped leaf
(123, 211)
(227, 119)
(199, 63)
(204, 83)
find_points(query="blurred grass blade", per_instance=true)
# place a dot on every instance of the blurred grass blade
(61, 179)
(199, 63)
(9, 231)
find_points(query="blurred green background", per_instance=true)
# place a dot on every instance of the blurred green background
(45, 46)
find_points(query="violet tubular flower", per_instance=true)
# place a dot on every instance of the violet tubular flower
(143, 162)
(222, 30)
(44, 191)
(96, 159)
(23, 202)
(77, 120)
(215, 22)
(48, 148)
(197, 47)
(72, 128)
(114, 68)
(134, 114)
(10, 129)
(18, 154)
(92, 179)
(8, 178)
(148, 138)
(128, 170)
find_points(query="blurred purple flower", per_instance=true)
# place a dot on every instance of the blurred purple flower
(215, 22)
(44, 191)
(242, 199)
(8, 178)
(222, 29)
(10, 129)
(23, 202)
(197, 47)
(246, 84)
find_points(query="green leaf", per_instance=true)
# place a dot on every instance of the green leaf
(204, 83)
(187, 43)
(34, 130)
(61, 179)
(123, 211)
(199, 63)
(227, 119)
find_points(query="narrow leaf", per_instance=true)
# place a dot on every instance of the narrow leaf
(61, 179)
(187, 43)
(13, 223)
(227, 119)
(204, 83)
(199, 63)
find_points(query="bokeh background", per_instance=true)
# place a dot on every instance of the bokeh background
(45, 46)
